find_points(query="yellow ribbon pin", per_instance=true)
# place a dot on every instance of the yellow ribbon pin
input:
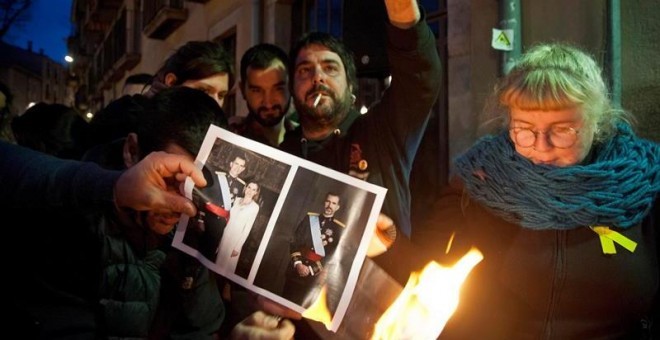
(608, 237)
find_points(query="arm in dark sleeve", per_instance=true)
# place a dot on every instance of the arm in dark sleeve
(397, 123)
(29, 178)
(416, 81)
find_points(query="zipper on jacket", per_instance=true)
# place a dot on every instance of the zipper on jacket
(558, 280)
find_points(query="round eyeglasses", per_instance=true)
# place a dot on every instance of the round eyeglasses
(559, 137)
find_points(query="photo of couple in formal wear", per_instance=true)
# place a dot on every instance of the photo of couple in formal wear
(277, 224)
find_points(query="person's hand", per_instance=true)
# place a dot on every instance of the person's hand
(259, 302)
(144, 185)
(161, 223)
(384, 236)
(263, 326)
(302, 270)
(403, 13)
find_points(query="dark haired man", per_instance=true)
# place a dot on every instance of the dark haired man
(264, 85)
(379, 146)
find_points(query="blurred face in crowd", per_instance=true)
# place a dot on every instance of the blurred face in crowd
(216, 86)
(319, 71)
(266, 93)
(553, 137)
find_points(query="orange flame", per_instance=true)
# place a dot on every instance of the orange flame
(427, 301)
(318, 311)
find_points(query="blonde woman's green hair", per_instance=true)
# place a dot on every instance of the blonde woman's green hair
(558, 76)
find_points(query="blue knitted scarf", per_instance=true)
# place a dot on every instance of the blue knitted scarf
(617, 188)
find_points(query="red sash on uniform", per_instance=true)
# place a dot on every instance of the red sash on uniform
(217, 210)
(312, 256)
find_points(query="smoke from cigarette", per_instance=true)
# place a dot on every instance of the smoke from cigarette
(316, 101)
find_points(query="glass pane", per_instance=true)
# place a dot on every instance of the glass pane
(311, 24)
(435, 28)
(336, 18)
(322, 16)
(430, 6)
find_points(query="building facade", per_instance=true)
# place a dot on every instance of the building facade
(32, 77)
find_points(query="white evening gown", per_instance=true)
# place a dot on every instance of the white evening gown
(241, 219)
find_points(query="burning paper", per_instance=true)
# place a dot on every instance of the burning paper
(427, 302)
(318, 311)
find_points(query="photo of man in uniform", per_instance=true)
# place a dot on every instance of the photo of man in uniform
(314, 242)
(230, 181)
(214, 202)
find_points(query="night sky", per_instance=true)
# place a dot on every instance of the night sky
(48, 28)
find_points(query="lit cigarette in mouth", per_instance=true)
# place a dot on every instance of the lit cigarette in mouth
(316, 101)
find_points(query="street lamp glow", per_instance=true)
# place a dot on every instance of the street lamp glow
(68, 59)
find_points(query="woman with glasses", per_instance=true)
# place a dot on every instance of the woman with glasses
(563, 205)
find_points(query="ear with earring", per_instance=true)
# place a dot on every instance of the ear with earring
(354, 98)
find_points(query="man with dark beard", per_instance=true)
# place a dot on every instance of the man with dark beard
(379, 146)
(264, 86)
